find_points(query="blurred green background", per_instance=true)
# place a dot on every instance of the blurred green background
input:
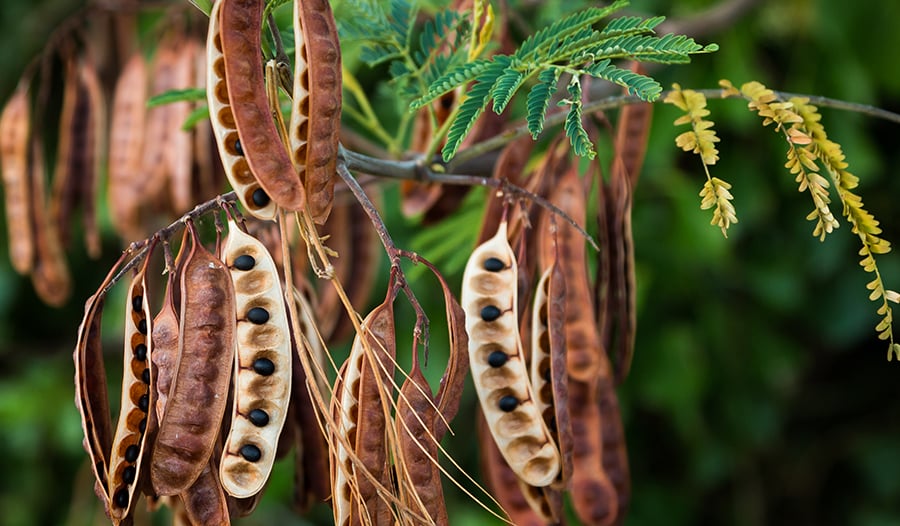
(759, 394)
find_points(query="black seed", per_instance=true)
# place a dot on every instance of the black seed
(142, 425)
(258, 417)
(264, 366)
(140, 352)
(508, 403)
(144, 403)
(238, 148)
(490, 313)
(547, 374)
(137, 303)
(250, 453)
(260, 197)
(131, 453)
(145, 376)
(128, 474)
(142, 326)
(121, 498)
(258, 315)
(497, 359)
(493, 265)
(244, 262)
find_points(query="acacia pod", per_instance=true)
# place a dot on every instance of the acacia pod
(126, 143)
(231, 151)
(548, 364)
(50, 275)
(452, 383)
(262, 376)
(615, 454)
(199, 393)
(64, 192)
(359, 417)
(92, 145)
(204, 501)
(266, 155)
(165, 333)
(138, 397)
(316, 107)
(15, 127)
(206, 164)
(498, 364)
(179, 152)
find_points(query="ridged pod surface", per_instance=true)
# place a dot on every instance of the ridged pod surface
(498, 365)
(204, 501)
(237, 168)
(15, 126)
(316, 107)
(262, 376)
(199, 393)
(240, 23)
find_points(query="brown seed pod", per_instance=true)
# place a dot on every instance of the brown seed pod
(615, 454)
(138, 397)
(92, 145)
(498, 364)
(50, 276)
(237, 168)
(316, 108)
(240, 22)
(165, 333)
(359, 417)
(179, 152)
(64, 194)
(204, 501)
(126, 143)
(262, 377)
(199, 393)
(15, 127)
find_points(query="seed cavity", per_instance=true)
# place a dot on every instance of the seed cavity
(250, 453)
(497, 358)
(508, 403)
(238, 148)
(494, 265)
(260, 198)
(244, 262)
(264, 366)
(490, 313)
(258, 417)
(258, 315)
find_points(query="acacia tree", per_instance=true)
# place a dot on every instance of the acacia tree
(454, 75)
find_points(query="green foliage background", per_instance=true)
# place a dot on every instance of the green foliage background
(759, 394)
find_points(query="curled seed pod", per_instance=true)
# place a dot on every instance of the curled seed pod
(165, 334)
(359, 417)
(15, 126)
(316, 107)
(237, 168)
(240, 22)
(548, 365)
(138, 396)
(64, 194)
(504, 392)
(126, 143)
(260, 401)
(204, 501)
(199, 393)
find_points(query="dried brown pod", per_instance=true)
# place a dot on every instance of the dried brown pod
(64, 192)
(137, 407)
(50, 275)
(198, 396)
(316, 108)
(262, 376)
(615, 453)
(489, 298)
(240, 22)
(15, 128)
(179, 153)
(165, 332)
(92, 145)
(364, 381)
(204, 501)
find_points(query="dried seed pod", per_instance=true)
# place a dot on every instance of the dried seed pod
(498, 365)
(165, 333)
(126, 143)
(359, 417)
(138, 397)
(615, 454)
(199, 393)
(64, 194)
(262, 377)
(316, 107)
(237, 168)
(92, 145)
(15, 127)
(240, 22)
(50, 275)
(180, 147)
(204, 501)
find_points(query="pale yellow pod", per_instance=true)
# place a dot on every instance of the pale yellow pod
(15, 126)
(225, 131)
(262, 373)
(498, 365)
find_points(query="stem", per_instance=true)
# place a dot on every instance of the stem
(370, 119)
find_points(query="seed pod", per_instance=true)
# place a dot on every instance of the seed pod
(316, 107)
(50, 276)
(245, 84)
(15, 126)
(204, 501)
(359, 417)
(179, 151)
(262, 377)
(126, 143)
(92, 146)
(615, 454)
(198, 396)
(489, 300)
(138, 397)
(64, 194)
(165, 333)
(237, 169)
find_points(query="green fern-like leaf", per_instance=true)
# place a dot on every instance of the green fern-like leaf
(473, 105)
(503, 89)
(452, 79)
(562, 28)
(578, 137)
(646, 88)
(539, 100)
(630, 25)
(668, 49)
